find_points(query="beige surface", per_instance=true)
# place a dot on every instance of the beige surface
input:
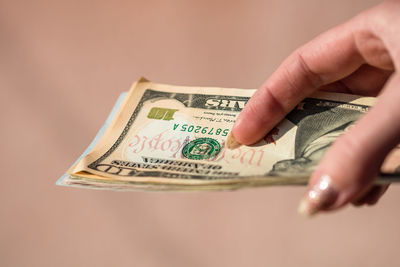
(62, 66)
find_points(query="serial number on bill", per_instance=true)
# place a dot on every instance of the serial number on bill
(200, 129)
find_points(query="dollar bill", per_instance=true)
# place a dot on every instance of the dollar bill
(163, 137)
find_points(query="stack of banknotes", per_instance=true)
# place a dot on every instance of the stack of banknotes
(163, 137)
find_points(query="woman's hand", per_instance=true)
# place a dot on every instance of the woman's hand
(360, 56)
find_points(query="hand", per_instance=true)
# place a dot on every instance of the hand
(360, 57)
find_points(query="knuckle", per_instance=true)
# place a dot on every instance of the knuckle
(350, 146)
(275, 104)
(351, 161)
(312, 78)
(255, 112)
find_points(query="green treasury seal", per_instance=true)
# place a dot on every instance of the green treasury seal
(201, 148)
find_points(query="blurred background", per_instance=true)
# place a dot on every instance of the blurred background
(62, 66)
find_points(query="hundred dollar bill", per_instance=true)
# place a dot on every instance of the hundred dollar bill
(163, 137)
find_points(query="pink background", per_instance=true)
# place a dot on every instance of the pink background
(62, 66)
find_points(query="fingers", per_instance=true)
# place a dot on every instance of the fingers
(372, 196)
(350, 166)
(366, 81)
(328, 58)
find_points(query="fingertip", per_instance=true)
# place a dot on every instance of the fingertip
(321, 195)
(247, 130)
(231, 142)
(261, 113)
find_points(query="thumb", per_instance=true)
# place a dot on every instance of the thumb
(351, 165)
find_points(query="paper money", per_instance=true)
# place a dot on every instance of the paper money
(163, 137)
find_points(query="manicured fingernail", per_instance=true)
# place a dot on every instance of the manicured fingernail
(231, 142)
(320, 196)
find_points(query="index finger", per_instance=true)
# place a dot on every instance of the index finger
(329, 57)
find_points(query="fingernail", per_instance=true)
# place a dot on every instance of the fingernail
(231, 142)
(320, 196)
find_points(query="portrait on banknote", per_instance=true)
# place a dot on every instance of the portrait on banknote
(319, 123)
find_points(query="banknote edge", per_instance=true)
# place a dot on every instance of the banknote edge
(98, 136)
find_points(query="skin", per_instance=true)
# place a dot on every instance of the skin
(361, 56)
